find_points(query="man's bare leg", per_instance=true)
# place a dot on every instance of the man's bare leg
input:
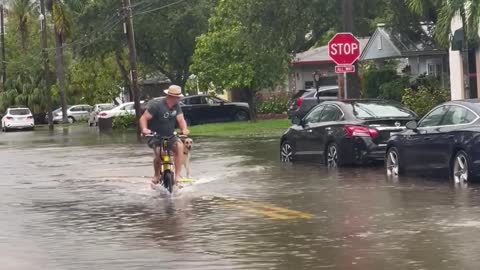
(178, 149)
(157, 163)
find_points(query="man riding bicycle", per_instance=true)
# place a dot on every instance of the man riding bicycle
(161, 116)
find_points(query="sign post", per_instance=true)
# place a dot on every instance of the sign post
(344, 50)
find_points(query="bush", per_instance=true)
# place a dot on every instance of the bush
(424, 99)
(373, 79)
(395, 89)
(272, 102)
(124, 121)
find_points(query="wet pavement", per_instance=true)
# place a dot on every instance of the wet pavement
(78, 200)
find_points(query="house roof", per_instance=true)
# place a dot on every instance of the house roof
(387, 42)
(320, 55)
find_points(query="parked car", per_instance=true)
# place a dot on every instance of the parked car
(446, 139)
(74, 113)
(344, 132)
(199, 109)
(18, 118)
(122, 109)
(97, 108)
(304, 100)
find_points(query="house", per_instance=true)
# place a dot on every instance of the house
(417, 51)
(306, 63)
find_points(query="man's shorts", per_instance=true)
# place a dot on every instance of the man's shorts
(154, 142)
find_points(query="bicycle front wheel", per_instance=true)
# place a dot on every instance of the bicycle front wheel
(168, 181)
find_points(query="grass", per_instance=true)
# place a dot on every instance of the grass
(261, 128)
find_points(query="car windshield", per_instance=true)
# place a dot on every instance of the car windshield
(372, 110)
(20, 112)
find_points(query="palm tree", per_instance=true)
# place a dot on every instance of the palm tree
(446, 11)
(22, 13)
(62, 11)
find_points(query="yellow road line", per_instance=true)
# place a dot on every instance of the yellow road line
(265, 209)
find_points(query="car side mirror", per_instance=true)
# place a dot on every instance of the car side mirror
(412, 125)
(296, 120)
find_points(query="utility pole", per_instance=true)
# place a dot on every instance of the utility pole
(351, 80)
(127, 14)
(43, 22)
(2, 30)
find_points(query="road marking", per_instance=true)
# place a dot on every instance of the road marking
(264, 209)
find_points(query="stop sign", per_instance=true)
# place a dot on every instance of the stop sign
(344, 49)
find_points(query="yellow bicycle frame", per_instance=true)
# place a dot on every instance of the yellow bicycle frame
(166, 163)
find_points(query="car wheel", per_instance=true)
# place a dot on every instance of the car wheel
(286, 152)
(333, 158)
(241, 116)
(392, 162)
(71, 120)
(90, 123)
(461, 168)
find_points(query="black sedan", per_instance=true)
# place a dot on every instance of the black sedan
(344, 132)
(447, 139)
(201, 109)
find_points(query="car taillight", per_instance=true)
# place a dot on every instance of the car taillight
(299, 102)
(9, 118)
(103, 114)
(29, 117)
(359, 131)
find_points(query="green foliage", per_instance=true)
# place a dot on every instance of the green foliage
(374, 78)
(394, 90)
(124, 121)
(273, 102)
(423, 99)
(95, 80)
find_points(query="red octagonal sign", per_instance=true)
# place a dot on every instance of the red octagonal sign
(344, 49)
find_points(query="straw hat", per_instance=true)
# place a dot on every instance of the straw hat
(174, 91)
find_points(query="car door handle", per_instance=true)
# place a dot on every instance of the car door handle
(328, 128)
(309, 130)
(427, 138)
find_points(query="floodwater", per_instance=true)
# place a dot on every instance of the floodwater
(75, 199)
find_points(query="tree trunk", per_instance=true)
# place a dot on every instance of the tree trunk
(61, 73)
(252, 103)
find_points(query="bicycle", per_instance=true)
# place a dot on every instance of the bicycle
(167, 169)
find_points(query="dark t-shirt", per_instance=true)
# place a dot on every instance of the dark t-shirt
(164, 119)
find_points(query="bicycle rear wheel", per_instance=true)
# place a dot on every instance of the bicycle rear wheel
(168, 181)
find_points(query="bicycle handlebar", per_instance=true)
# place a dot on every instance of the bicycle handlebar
(167, 137)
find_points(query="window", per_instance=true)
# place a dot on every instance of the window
(20, 112)
(331, 113)
(308, 84)
(77, 109)
(457, 115)
(212, 101)
(129, 107)
(194, 100)
(372, 110)
(328, 93)
(434, 117)
(314, 115)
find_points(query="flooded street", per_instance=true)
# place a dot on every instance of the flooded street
(78, 200)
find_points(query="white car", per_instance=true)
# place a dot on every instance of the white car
(97, 108)
(74, 113)
(18, 118)
(122, 109)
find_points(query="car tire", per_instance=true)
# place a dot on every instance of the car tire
(460, 168)
(392, 162)
(333, 158)
(241, 115)
(287, 152)
(90, 124)
(71, 120)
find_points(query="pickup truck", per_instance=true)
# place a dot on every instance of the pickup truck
(302, 102)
